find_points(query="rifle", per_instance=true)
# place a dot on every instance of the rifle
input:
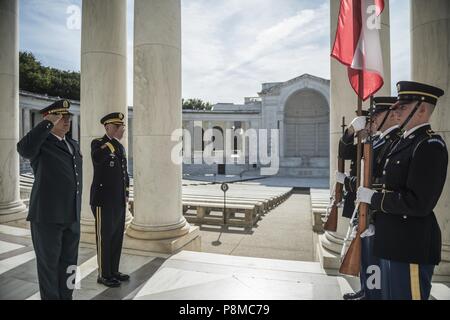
(351, 263)
(332, 210)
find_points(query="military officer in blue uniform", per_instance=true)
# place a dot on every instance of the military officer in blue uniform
(109, 198)
(385, 131)
(55, 202)
(408, 237)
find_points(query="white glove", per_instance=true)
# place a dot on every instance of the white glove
(340, 177)
(365, 195)
(370, 231)
(358, 124)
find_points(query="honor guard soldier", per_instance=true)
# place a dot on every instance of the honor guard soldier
(55, 202)
(109, 198)
(347, 151)
(385, 129)
(408, 237)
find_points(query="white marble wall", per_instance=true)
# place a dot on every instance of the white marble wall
(430, 31)
(11, 208)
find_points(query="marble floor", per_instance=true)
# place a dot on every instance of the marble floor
(186, 275)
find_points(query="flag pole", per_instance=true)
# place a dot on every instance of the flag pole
(359, 145)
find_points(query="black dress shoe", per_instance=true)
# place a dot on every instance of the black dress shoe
(109, 282)
(121, 276)
(355, 296)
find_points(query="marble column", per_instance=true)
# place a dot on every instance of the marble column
(75, 131)
(158, 223)
(228, 142)
(26, 121)
(103, 83)
(430, 46)
(281, 137)
(344, 103)
(190, 153)
(11, 207)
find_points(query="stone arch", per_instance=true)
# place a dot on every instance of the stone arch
(218, 138)
(306, 124)
(305, 82)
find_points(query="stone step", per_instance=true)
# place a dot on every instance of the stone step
(207, 276)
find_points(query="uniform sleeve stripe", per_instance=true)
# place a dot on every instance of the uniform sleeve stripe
(110, 146)
(415, 284)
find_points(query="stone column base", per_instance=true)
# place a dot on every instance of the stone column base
(442, 271)
(329, 259)
(13, 211)
(189, 241)
(144, 232)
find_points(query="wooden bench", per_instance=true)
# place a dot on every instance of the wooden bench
(204, 210)
(262, 206)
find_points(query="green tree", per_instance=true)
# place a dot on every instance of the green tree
(36, 78)
(196, 104)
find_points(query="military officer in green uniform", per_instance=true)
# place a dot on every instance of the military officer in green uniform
(408, 237)
(55, 202)
(109, 197)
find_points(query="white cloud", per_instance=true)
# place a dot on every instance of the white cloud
(271, 44)
(230, 47)
(43, 30)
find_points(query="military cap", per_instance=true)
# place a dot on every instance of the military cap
(382, 104)
(59, 107)
(114, 118)
(414, 91)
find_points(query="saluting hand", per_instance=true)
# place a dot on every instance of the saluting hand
(53, 118)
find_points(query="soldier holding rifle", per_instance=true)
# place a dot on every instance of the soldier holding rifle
(384, 124)
(408, 237)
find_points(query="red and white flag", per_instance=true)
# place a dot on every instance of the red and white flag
(357, 44)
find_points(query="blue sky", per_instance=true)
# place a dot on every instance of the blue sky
(230, 47)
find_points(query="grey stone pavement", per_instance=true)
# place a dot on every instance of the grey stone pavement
(283, 233)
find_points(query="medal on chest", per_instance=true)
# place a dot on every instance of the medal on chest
(112, 162)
